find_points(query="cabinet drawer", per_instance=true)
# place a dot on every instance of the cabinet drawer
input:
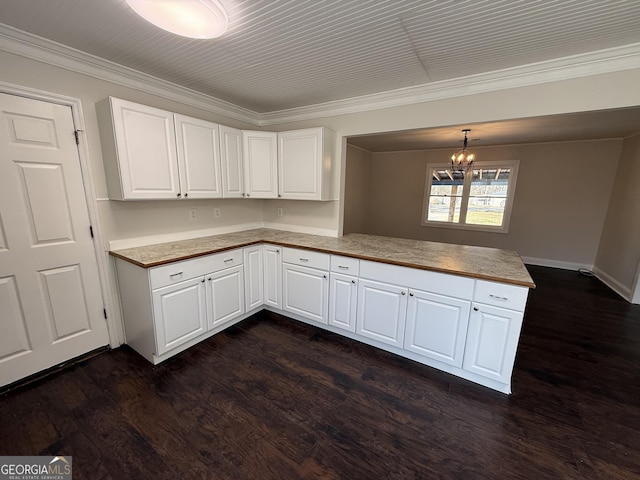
(501, 295)
(346, 265)
(305, 258)
(176, 272)
(220, 261)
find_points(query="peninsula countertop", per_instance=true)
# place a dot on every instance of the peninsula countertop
(484, 263)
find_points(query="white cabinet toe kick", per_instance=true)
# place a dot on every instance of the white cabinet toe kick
(464, 326)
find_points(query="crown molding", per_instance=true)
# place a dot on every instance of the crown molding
(31, 46)
(626, 57)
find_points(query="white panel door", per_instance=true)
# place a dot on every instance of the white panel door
(51, 307)
(343, 295)
(198, 158)
(492, 341)
(437, 326)
(253, 285)
(179, 313)
(260, 164)
(381, 313)
(225, 295)
(305, 292)
(272, 255)
(231, 159)
(146, 146)
(300, 164)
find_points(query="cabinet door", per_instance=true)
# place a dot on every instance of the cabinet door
(260, 164)
(253, 290)
(272, 255)
(225, 295)
(305, 292)
(437, 326)
(198, 158)
(179, 313)
(381, 312)
(300, 158)
(231, 159)
(492, 340)
(146, 151)
(343, 295)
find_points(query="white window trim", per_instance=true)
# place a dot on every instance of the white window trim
(513, 178)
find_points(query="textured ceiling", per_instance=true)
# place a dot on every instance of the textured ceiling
(280, 54)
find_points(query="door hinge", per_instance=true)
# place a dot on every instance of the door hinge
(91, 230)
(104, 311)
(77, 134)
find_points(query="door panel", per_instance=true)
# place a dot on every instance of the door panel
(51, 307)
(44, 195)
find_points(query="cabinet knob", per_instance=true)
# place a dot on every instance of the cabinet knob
(248, 195)
(202, 280)
(403, 293)
(178, 195)
(208, 279)
(411, 294)
(475, 309)
(324, 276)
(353, 281)
(279, 195)
(186, 195)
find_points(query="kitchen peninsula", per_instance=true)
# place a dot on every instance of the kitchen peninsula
(456, 308)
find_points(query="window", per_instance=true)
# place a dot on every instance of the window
(479, 200)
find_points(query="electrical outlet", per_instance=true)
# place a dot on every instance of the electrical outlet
(217, 213)
(280, 211)
(193, 214)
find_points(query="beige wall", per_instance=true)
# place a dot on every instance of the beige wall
(357, 191)
(619, 251)
(559, 208)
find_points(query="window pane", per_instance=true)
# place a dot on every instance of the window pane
(488, 196)
(444, 209)
(445, 198)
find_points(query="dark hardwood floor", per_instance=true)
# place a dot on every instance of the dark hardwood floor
(275, 399)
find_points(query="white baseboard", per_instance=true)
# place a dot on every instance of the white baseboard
(613, 284)
(206, 232)
(545, 262)
(177, 236)
(608, 280)
(301, 229)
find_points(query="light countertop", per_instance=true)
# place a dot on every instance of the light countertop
(477, 262)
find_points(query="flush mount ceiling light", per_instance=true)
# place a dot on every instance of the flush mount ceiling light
(462, 161)
(188, 18)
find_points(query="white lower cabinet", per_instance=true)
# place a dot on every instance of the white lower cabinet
(381, 312)
(305, 292)
(343, 294)
(492, 341)
(272, 271)
(463, 326)
(180, 313)
(437, 326)
(253, 288)
(225, 296)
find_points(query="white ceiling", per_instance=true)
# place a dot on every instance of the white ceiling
(281, 54)
(619, 123)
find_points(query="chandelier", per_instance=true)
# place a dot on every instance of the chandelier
(462, 161)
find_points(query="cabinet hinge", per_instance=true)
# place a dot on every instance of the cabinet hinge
(77, 134)
(104, 312)
(91, 230)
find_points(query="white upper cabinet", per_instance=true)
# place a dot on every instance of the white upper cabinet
(139, 151)
(198, 158)
(304, 164)
(260, 164)
(231, 160)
